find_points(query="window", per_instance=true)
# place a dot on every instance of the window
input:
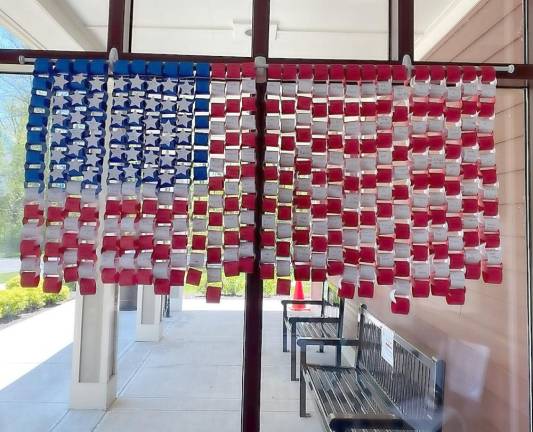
(337, 29)
(201, 27)
(68, 25)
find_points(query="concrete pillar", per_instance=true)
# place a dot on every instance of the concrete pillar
(94, 358)
(176, 298)
(149, 314)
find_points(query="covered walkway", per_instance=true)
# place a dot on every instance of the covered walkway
(189, 381)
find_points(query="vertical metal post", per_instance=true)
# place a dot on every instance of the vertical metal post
(528, 121)
(253, 313)
(401, 29)
(119, 25)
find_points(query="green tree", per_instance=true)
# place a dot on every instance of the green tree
(14, 99)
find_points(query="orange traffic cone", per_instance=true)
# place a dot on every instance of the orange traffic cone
(298, 295)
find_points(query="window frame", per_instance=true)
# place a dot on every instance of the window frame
(401, 42)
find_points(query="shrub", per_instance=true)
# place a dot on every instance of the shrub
(15, 300)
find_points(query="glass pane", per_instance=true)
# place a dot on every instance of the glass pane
(68, 25)
(484, 342)
(203, 27)
(470, 31)
(14, 99)
(342, 29)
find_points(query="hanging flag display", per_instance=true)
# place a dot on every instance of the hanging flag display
(378, 175)
(64, 155)
(143, 183)
(386, 180)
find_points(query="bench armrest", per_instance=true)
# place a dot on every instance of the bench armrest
(344, 422)
(316, 319)
(304, 342)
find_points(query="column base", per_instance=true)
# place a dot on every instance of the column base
(98, 396)
(176, 299)
(149, 332)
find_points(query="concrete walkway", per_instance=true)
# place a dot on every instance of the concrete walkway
(190, 381)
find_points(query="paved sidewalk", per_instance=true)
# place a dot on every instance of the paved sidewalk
(190, 381)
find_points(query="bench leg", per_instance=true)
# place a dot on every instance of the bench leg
(338, 355)
(285, 349)
(293, 352)
(303, 396)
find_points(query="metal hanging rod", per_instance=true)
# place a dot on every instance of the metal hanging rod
(408, 63)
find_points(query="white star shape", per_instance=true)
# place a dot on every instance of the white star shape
(92, 159)
(182, 154)
(119, 100)
(168, 105)
(169, 86)
(183, 137)
(78, 78)
(60, 81)
(117, 118)
(151, 139)
(77, 98)
(181, 169)
(152, 104)
(97, 83)
(132, 154)
(114, 172)
(93, 141)
(120, 83)
(94, 102)
(183, 120)
(76, 133)
(166, 161)
(93, 124)
(168, 127)
(151, 122)
(153, 85)
(166, 178)
(150, 157)
(74, 164)
(136, 100)
(130, 171)
(73, 149)
(184, 105)
(149, 172)
(59, 101)
(118, 134)
(77, 117)
(135, 117)
(186, 87)
(136, 82)
(134, 136)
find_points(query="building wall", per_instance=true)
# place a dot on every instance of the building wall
(484, 342)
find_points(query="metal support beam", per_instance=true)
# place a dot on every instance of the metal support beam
(253, 318)
(401, 29)
(119, 25)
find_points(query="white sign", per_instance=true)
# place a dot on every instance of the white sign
(387, 345)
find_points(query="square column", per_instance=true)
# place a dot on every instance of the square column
(94, 350)
(149, 315)
(176, 298)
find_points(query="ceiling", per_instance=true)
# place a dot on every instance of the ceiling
(298, 28)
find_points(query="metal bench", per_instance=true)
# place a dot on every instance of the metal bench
(374, 395)
(327, 325)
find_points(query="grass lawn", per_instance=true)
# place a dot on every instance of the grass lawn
(4, 277)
